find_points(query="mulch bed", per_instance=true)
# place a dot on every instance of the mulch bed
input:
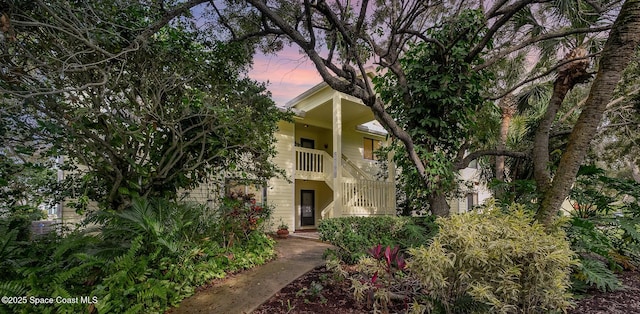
(622, 301)
(337, 298)
(334, 298)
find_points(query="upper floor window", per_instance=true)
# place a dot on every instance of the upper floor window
(370, 146)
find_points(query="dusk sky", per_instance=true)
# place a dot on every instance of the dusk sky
(288, 73)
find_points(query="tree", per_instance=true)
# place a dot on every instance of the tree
(618, 140)
(443, 91)
(357, 32)
(147, 120)
(340, 38)
(616, 56)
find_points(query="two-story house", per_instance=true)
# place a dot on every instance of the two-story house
(328, 156)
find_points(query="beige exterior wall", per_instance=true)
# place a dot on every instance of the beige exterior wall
(69, 215)
(280, 193)
(206, 193)
(321, 136)
(353, 148)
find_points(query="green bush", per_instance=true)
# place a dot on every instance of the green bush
(604, 229)
(144, 259)
(504, 262)
(353, 236)
(239, 216)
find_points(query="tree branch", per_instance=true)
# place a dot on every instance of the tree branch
(494, 152)
(537, 77)
(497, 57)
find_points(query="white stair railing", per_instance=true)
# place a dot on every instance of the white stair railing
(368, 194)
(360, 193)
(354, 170)
(326, 210)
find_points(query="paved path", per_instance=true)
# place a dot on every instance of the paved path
(244, 292)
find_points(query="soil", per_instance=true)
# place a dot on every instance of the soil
(626, 300)
(336, 298)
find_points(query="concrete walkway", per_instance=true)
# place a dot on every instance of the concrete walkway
(244, 292)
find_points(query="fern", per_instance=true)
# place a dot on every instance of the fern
(12, 288)
(137, 308)
(64, 276)
(595, 273)
(466, 304)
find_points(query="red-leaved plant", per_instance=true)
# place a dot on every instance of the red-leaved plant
(381, 287)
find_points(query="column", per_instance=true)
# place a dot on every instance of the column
(337, 155)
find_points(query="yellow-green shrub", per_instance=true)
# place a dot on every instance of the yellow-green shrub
(505, 262)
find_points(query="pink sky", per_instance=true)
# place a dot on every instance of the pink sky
(288, 73)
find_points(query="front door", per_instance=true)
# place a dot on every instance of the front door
(307, 208)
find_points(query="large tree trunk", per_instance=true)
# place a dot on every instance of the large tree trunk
(569, 74)
(616, 55)
(438, 205)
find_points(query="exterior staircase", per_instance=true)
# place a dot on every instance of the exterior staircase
(361, 194)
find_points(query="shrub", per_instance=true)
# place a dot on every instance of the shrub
(381, 279)
(145, 259)
(353, 236)
(597, 256)
(604, 228)
(239, 216)
(505, 262)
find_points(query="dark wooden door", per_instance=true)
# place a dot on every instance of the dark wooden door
(307, 207)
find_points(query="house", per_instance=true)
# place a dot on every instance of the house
(327, 153)
(331, 170)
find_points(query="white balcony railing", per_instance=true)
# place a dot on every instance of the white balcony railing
(374, 197)
(360, 195)
(312, 160)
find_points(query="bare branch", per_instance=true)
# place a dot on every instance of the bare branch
(559, 34)
(537, 77)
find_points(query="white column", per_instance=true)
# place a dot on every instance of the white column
(337, 155)
(391, 168)
(392, 178)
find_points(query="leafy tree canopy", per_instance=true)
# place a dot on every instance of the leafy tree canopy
(442, 104)
(136, 116)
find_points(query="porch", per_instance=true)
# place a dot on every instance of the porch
(359, 194)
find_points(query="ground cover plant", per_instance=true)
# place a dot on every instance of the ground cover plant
(353, 236)
(142, 260)
(340, 298)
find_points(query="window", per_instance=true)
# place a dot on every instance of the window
(370, 146)
(258, 192)
(472, 200)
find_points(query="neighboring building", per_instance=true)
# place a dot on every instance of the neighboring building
(474, 193)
